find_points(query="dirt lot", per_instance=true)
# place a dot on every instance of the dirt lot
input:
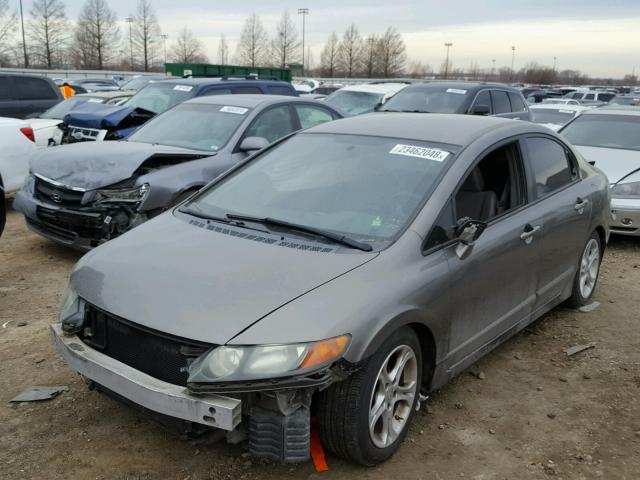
(529, 411)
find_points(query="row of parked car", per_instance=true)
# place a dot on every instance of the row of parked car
(260, 258)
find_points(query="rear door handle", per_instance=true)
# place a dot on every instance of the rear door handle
(580, 205)
(529, 232)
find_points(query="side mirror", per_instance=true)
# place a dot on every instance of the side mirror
(377, 106)
(592, 163)
(481, 110)
(468, 231)
(253, 144)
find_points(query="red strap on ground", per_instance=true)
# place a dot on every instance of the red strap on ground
(317, 453)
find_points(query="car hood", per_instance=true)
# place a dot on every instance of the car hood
(91, 165)
(614, 162)
(97, 115)
(174, 275)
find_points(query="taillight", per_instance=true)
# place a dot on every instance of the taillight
(28, 132)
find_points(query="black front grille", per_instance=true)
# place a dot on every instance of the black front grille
(84, 224)
(157, 354)
(51, 193)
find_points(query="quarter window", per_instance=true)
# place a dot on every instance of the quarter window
(500, 102)
(517, 104)
(278, 90)
(551, 166)
(247, 90)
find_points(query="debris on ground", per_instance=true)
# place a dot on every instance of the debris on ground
(589, 308)
(578, 348)
(36, 394)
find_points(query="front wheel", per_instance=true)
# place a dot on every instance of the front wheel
(365, 417)
(584, 283)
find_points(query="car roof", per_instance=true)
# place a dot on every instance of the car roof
(383, 88)
(558, 106)
(197, 81)
(108, 94)
(617, 110)
(250, 100)
(435, 127)
(465, 85)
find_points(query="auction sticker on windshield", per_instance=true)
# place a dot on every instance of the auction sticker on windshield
(420, 152)
(237, 110)
(456, 90)
(183, 88)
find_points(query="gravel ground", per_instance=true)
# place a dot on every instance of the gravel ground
(525, 411)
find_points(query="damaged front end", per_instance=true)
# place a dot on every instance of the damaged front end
(85, 219)
(106, 123)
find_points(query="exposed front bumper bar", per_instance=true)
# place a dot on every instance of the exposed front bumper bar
(162, 397)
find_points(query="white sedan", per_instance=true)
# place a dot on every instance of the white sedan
(555, 116)
(17, 144)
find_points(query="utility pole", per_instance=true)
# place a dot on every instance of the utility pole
(164, 37)
(513, 59)
(24, 42)
(555, 59)
(304, 12)
(129, 20)
(446, 61)
(493, 68)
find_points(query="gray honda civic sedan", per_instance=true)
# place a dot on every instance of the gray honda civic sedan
(343, 272)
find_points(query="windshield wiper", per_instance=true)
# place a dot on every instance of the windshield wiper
(204, 216)
(342, 239)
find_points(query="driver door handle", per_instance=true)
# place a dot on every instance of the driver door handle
(580, 205)
(529, 232)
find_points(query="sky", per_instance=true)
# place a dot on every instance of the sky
(599, 38)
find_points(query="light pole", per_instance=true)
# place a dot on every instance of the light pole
(513, 59)
(129, 20)
(555, 60)
(164, 37)
(304, 12)
(24, 42)
(446, 61)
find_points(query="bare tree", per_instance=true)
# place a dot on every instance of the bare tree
(7, 28)
(285, 43)
(329, 56)
(350, 52)
(252, 48)
(391, 53)
(96, 35)
(187, 48)
(145, 33)
(370, 55)
(47, 30)
(419, 69)
(223, 51)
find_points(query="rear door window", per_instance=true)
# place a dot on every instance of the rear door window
(27, 88)
(500, 102)
(310, 115)
(589, 96)
(551, 166)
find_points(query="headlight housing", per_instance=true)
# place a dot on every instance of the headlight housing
(29, 184)
(124, 195)
(626, 190)
(71, 311)
(260, 362)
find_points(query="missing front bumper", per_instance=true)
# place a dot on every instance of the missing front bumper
(165, 398)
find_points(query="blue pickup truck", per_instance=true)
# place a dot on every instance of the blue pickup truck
(92, 121)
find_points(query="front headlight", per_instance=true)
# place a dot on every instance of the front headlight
(126, 195)
(626, 190)
(29, 184)
(71, 311)
(259, 362)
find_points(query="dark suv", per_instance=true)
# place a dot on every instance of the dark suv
(460, 97)
(108, 122)
(23, 96)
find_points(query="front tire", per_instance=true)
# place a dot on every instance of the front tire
(365, 418)
(586, 278)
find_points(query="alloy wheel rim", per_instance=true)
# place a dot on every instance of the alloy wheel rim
(589, 266)
(393, 396)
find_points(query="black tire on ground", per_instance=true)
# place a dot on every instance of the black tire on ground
(343, 408)
(577, 299)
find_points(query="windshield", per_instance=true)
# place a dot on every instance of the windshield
(367, 188)
(159, 97)
(607, 131)
(58, 111)
(428, 99)
(137, 83)
(354, 102)
(547, 115)
(192, 125)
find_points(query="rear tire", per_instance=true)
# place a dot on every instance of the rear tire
(365, 418)
(586, 278)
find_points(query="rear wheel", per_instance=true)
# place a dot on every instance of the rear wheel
(584, 283)
(365, 417)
